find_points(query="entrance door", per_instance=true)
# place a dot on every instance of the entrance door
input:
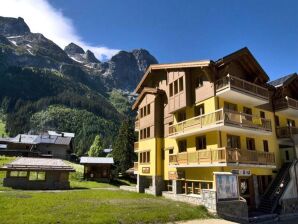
(288, 155)
(246, 190)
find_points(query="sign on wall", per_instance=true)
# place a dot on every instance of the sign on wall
(226, 186)
(241, 172)
(145, 169)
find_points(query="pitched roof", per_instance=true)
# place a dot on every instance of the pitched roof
(38, 139)
(145, 91)
(27, 163)
(97, 160)
(283, 80)
(192, 64)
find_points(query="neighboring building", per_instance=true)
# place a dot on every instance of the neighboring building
(51, 144)
(37, 174)
(200, 120)
(97, 168)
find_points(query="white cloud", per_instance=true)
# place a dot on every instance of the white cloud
(43, 18)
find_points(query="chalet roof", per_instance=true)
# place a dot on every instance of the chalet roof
(61, 134)
(145, 91)
(193, 64)
(283, 80)
(97, 160)
(38, 139)
(246, 59)
(42, 164)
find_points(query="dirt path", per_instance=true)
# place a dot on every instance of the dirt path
(205, 221)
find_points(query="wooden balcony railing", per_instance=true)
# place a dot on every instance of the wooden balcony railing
(222, 116)
(286, 132)
(242, 85)
(222, 155)
(136, 146)
(135, 166)
(286, 102)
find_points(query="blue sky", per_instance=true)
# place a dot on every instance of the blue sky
(172, 30)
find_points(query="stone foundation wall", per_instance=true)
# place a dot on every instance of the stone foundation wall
(289, 206)
(208, 198)
(233, 210)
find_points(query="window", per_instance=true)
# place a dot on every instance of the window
(18, 174)
(171, 89)
(250, 144)
(247, 110)
(230, 106)
(181, 116)
(199, 110)
(291, 123)
(265, 146)
(176, 87)
(37, 176)
(182, 146)
(233, 141)
(276, 118)
(148, 109)
(201, 142)
(262, 114)
(145, 111)
(200, 81)
(142, 115)
(181, 84)
(148, 132)
(145, 157)
(171, 151)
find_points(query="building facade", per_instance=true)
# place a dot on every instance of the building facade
(196, 119)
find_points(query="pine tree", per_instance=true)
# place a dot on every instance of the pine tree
(96, 148)
(123, 149)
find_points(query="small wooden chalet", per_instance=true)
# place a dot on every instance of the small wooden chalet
(37, 174)
(97, 168)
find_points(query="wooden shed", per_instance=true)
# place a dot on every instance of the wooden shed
(37, 174)
(97, 168)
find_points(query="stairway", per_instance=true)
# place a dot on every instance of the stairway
(269, 201)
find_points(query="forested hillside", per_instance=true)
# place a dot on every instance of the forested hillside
(43, 87)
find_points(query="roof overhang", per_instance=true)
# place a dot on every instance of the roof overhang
(146, 90)
(238, 55)
(170, 66)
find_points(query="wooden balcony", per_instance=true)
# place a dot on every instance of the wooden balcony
(287, 106)
(136, 146)
(135, 166)
(221, 157)
(286, 132)
(221, 120)
(241, 91)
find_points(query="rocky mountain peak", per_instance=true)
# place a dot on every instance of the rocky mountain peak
(144, 58)
(90, 57)
(72, 48)
(13, 26)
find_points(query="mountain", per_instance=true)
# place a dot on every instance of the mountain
(45, 87)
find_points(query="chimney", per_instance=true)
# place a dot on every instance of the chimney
(20, 138)
(62, 134)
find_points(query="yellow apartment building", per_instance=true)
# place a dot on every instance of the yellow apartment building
(204, 118)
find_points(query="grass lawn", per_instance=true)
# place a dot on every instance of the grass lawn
(2, 128)
(93, 206)
(76, 178)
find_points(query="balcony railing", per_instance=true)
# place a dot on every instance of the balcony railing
(135, 166)
(222, 116)
(286, 102)
(137, 125)
(222, 155)
(241, 85)
(136, 146)
(286, 132)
